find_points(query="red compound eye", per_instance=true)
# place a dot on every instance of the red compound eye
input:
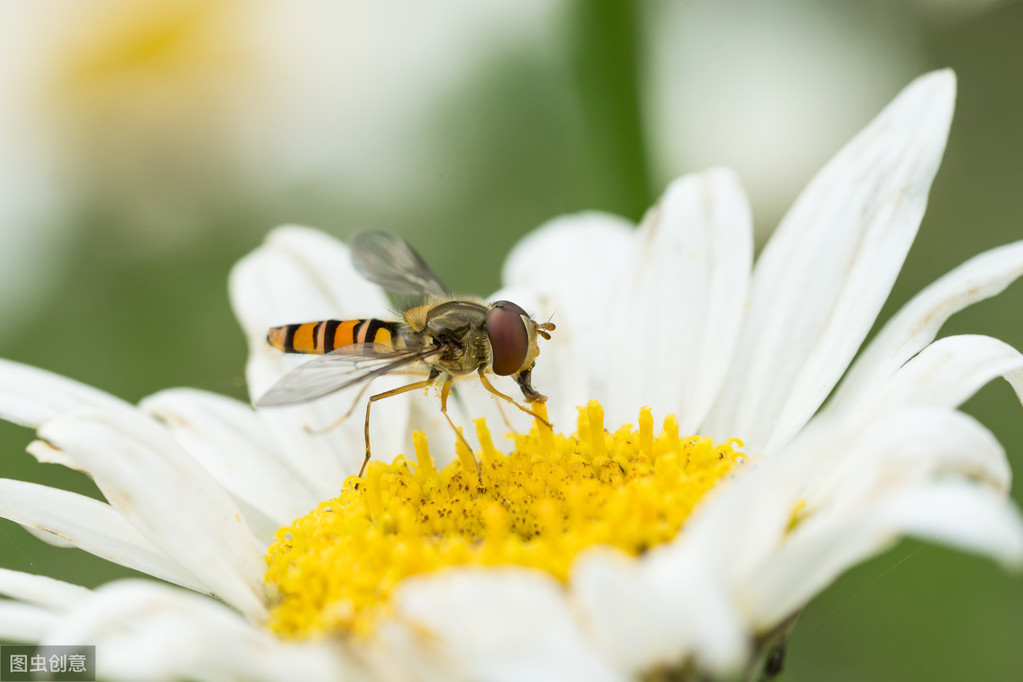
(509, 339)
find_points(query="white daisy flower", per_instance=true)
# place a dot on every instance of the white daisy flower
(245, 96)
(620, 553)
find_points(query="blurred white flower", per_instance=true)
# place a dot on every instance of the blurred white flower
(157, 120)
(673, 315)
(163, 113)
(33, 244)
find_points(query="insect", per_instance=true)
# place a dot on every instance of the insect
(443, 338)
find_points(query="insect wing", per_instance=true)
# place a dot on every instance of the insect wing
(339, 369)
(389, 261)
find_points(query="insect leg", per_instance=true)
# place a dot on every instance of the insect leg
(504, 416)
(387, 394)
(337, 422)
(444, 391)
(490, 387)
(365, 387)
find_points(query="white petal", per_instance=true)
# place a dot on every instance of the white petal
(302, 275)
(49, 538)
(918, 322)
(91, 525)
(960, 514)
(232, 444)
(752, 511)
(39, 589)
(810, 561)
(948, 372)
(689, 584)
(25, 623)
(494, 625)
(623, 616)
(574, 265)
(168, 497)
(145, 631)
(904, 448)
(299, 275)
(47, 454)
(689, 275)
(836, 470)
(829, 267)
(659, 611)
(29, 396)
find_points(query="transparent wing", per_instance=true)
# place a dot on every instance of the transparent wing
(341, 368)
(389, 261)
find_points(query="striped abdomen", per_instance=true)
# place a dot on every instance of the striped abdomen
(324, 336)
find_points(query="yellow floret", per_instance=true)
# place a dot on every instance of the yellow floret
(538, 506)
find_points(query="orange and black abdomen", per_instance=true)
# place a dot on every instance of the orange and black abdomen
(322, 337)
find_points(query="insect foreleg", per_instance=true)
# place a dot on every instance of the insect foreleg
(337, 422)
(362, 391)
(387, 394)
(490, 387)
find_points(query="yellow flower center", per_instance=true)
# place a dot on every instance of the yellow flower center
(539, 507)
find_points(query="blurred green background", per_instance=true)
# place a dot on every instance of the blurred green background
(145, 147)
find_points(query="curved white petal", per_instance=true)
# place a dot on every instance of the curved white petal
(661, 610)
(948, 372)
(830, 474)
(47, 454)
(498, 625)
(302, 275)
(682, 301)
(21, 622)
(145, 631)
(829, 267)
(29, 396)
(168, 498)
(622, 614)
(900, 449)
(233, 445)
(573, 267)
(40, 590)
(49, 538)
(752, 511)
(299, 275)
(90, 525)
(834, 469)
(690, 584)
(918, 322)
(961, 514)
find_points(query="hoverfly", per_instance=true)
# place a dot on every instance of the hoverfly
(444, 338)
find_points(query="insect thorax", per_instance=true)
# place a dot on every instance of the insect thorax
(459, 327)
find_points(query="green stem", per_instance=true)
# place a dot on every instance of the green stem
(606, 68)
